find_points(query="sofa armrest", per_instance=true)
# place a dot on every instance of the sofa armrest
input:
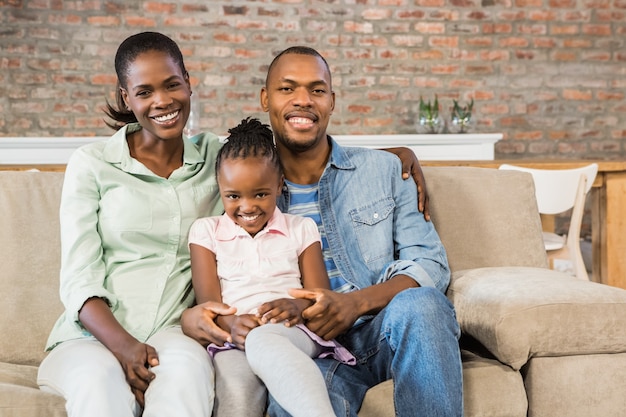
(521, 312)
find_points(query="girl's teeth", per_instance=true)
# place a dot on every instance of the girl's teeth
(249, 218)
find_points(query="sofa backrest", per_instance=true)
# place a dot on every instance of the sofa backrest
(29, 263)
(486, 217)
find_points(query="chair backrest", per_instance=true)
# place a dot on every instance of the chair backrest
(556, 189)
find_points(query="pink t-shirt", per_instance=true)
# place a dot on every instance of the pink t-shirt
(254, 270)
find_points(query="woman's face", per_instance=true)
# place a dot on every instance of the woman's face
(158, 93)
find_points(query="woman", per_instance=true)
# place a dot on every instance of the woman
(126, 209)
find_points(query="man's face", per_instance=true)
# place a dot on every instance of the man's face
(299, 99)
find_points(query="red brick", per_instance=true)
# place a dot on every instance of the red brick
(562, 4)
(157, 7)
(518, 42)
(430, 28)
(378, 122)
(102, 20)
(360, 109)
(569, 94)
(564, 29)
(597, 30)
(444, 41)
(376, 14)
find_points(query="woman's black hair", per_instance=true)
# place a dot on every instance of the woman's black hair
(126, 54)
(250, 138)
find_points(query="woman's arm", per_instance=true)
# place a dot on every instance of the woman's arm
(411, 167)
(136, 358)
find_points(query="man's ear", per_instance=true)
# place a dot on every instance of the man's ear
(264, 104)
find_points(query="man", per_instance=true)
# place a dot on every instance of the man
(387, 265)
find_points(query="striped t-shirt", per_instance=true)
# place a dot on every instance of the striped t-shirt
(304, 201)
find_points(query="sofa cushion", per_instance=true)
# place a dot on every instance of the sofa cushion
(577, 386)
(29, 263)
(482, 221)
(489, 389)
(20, 396)
(519, 313)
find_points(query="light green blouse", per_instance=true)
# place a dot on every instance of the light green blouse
(124, 233)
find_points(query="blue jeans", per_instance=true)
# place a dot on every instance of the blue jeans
(414, 341)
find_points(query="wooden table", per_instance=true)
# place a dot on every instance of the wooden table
(608, 208)
(608, 211)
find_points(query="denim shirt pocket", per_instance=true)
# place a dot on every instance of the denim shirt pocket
(373, 228)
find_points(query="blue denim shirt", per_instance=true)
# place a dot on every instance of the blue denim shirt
(372, 223)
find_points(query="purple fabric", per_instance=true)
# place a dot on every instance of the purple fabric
(330, 348)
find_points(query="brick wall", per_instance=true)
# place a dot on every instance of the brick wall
(549, 74)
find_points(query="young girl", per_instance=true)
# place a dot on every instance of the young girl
(249, 258)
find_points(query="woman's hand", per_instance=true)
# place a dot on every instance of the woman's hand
(136, 359)
(411, 168)
(200, 323)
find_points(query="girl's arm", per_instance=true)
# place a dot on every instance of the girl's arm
(207, 288)
(312, 267)
(313, 275)
(206, 284)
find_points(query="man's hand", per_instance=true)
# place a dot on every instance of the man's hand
(199, 323)
(411, 168)
(136, 359)
(331, 314)
(283, 310)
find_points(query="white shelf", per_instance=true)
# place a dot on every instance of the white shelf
(441, 147)
(436, 147)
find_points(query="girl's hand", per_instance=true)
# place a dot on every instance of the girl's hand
(240, 326)
(287, 310)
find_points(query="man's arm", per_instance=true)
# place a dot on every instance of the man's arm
(334, 313)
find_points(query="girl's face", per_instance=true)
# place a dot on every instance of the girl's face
(249, 188)
(158, 93)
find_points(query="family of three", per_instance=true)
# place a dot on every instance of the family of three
(300, 265)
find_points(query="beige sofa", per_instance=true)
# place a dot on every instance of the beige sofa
(536, 342)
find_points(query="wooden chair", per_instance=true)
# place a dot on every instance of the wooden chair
(558, 191)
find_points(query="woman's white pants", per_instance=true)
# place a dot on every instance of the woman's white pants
(93, 383)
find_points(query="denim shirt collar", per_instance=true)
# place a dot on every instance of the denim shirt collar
(338, 156)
